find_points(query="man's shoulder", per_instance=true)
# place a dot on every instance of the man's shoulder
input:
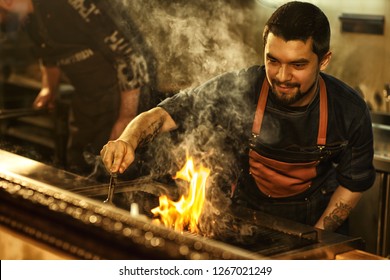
(255, 71)
(244, 76)
(340, 91)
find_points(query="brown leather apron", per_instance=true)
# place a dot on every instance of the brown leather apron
(282, 179)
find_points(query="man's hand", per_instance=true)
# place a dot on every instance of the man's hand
(50, 81)
(117, 155)
(44, 99)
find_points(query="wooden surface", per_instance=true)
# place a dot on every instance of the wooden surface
(358, 255)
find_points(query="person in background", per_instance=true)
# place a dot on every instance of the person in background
(306, 137)
(102, 54)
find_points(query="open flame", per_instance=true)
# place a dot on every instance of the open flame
(185, 213)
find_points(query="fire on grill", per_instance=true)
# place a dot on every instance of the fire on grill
(66, 213)
(185, 213)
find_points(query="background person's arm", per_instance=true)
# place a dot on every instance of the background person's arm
(127, 111)
(50, 81)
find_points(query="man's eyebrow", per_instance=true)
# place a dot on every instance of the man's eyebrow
(268, 55)
(300, 60)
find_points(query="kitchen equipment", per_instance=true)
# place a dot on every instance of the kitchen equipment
(111, 188)
(41, 203)
(22, 112)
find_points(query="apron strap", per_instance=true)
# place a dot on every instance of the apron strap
(321, 139)
(323, 120)
(260, 107)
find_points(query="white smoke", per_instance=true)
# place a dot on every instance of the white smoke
(196, 40)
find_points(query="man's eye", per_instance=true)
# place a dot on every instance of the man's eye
(272, 60)
(299, 65)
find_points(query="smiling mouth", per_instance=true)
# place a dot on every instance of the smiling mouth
(285, 87)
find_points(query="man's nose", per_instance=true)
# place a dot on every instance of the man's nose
(284, 73)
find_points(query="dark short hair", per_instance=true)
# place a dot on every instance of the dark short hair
(300, 21)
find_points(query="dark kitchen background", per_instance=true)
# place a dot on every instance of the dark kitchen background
(194, 41)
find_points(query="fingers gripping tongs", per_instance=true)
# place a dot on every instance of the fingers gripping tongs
(111, 188)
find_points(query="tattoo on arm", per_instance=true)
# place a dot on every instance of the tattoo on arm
(337, 216)
(150, 133)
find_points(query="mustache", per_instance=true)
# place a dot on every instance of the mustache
(285, 84)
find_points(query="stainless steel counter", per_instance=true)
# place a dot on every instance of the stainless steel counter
(382, 165)
(381, 128)
(371, 217)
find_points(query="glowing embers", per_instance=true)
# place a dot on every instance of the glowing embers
(184, 214)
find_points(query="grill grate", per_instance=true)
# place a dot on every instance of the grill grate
(266, 241)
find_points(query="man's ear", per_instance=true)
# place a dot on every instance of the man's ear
(325, 61)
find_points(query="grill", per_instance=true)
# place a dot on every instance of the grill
(65, 212)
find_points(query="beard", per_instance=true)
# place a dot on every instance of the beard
(289, 99)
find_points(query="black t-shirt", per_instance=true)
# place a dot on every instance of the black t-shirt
(224, 108)
(68, 33)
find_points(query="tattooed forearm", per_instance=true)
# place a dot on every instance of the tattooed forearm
(337, 216)
(148, 134)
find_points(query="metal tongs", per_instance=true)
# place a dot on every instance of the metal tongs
(111, 188)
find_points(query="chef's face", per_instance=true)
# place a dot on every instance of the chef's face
(292, 69)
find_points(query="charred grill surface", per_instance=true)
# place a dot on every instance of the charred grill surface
(267, 241)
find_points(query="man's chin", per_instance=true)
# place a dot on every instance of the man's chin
(285, 98)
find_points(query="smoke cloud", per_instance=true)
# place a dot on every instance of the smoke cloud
(196, 40)
(193, 42)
